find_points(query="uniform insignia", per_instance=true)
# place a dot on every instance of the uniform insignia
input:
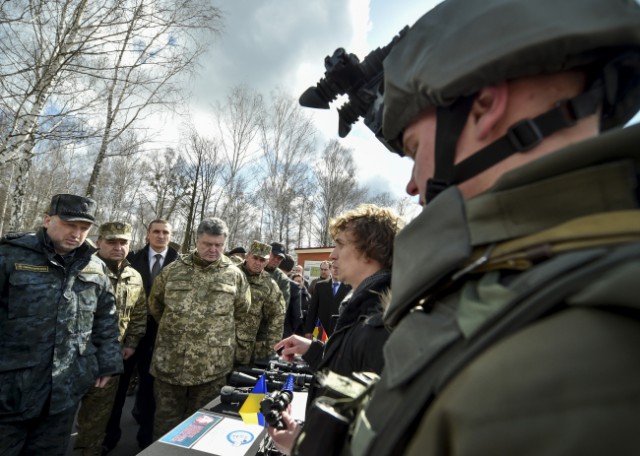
(31, 268)
(92, 270)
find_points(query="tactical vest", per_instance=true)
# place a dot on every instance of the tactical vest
(557, 225)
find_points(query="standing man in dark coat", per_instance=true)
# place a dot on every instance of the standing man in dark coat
(325, 304)
(58, 328)
(148, 261)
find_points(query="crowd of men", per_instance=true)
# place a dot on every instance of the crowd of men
(79, 321)
(513, 322)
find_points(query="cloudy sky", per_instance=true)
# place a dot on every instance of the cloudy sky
(281, 44)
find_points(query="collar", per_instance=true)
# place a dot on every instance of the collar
(586, 178)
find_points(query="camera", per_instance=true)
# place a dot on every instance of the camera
(362, 82)
(273, 405)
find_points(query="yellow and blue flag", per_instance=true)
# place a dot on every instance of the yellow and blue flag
(250, 410)
(319, 333)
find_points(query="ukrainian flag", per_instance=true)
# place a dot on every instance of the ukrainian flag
(288, 385)
(319, 333)
(250, 410)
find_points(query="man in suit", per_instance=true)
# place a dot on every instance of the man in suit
(325, 274)
(148, 261)
(325, 304)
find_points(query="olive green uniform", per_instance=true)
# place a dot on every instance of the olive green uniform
(532, 349)
(201, 311)
(96, 405)
(267, 304)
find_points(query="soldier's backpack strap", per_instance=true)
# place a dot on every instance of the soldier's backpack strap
(399, 407)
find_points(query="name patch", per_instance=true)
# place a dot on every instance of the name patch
(31, 268)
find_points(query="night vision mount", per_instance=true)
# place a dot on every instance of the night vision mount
(362, 82)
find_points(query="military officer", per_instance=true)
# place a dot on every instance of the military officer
(58, 328)
(113, 248)
(199, 301)
(267, 302)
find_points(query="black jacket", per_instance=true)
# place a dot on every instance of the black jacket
(139, 260)
(324, 305)
(356, 345)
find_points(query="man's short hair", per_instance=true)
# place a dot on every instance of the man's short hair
(158, 220)
(213, 226)
(373, 229)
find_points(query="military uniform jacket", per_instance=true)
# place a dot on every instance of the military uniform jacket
(201, 312)
(267, 303)
(131, 304)
(58, 327)
(283, 282)
(516, 315)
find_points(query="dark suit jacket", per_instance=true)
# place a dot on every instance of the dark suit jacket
(139, 260)
(325, 306)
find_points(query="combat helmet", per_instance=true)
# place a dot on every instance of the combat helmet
(461, 46)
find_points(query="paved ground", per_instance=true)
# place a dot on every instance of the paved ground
(128, 446)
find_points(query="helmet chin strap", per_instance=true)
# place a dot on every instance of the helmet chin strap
(522, 136)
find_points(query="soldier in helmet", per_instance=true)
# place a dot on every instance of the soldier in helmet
(58, 328)
(267, 302)
(113, 248)
(514, 308)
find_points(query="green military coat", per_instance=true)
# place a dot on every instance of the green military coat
(200, 309)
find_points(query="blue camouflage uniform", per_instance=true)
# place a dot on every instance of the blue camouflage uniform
(58, 333)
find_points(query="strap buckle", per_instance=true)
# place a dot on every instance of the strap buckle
(524, 135)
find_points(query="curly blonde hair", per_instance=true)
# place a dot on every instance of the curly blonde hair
(373, 229)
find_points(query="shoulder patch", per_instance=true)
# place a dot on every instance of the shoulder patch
(31, 267)
(92, 270)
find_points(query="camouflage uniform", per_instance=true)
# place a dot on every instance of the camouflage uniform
(200, 308)
(131, 303)
(267, 304)
(283, 282)
(58, 334)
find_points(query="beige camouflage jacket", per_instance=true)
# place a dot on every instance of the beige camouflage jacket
(130, 303)
(201, 311)
(267, 303)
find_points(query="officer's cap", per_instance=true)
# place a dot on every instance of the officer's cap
(73, 208)
(115, 230)
(259, 249)
(239, 249)
(278, 249)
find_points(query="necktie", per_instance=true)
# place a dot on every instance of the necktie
(155, 269)
(336, 285)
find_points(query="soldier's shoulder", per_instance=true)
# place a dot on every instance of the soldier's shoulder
(20, 239)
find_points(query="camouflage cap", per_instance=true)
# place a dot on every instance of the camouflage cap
(73, 208)
(259, 249)
(115, 230)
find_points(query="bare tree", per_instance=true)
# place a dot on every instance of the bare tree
(288, 140)
(165, 186)
(152, 47)
(337, 187)
(238, 125)
(201, 169)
